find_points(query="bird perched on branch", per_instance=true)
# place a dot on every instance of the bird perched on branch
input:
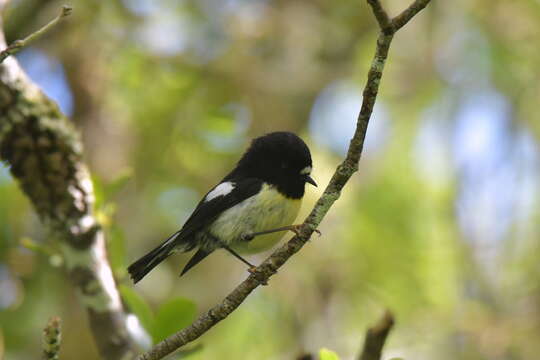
(248, 210)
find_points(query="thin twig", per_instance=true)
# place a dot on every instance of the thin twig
(376, 337)
(400, 20)
(52, 336)
(332, 192)
(17, 45)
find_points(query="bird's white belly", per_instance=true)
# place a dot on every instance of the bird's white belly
(266, 210)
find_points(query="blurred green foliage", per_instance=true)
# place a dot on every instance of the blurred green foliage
(441, 224)
(325, 354)
(171, 316)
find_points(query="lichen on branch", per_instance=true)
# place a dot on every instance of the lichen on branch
(44, 154)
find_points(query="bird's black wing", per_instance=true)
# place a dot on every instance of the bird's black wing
(208, 210)
(203, 215)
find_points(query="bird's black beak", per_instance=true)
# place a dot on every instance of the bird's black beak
(310, 180)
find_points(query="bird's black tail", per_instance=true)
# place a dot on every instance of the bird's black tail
(141, 267)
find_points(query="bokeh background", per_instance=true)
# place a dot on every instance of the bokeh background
(441, 224)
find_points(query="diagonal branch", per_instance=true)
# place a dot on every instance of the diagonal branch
(332, 192)
(17, 45)
(376, 337)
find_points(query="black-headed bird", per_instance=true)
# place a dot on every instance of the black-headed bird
(248, 210)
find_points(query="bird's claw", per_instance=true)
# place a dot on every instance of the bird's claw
(253, 271)
(296, 229)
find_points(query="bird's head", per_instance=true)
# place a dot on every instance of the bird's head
(281, 159)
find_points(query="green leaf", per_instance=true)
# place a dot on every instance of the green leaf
(138, 306)
(325, 354)
(112, 188)
(99, 192)
(116, 248)
(173, 316)
(103, 192)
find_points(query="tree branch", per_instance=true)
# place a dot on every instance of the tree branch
(400, 20)
(52, 336)
(45, 156)
(17, 45)
(376, 337)
(332, 192)
(380, 13)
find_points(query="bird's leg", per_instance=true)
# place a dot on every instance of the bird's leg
(236, 255)
(294, 228)
(251, 269)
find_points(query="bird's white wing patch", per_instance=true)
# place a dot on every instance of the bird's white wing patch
(220, 190)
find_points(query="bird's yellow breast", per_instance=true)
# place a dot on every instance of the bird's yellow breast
(266, 210)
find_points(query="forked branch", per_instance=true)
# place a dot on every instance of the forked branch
(332, 192)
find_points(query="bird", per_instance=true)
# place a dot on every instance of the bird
(246, 212)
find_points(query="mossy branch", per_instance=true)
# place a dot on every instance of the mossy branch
(44, 154)
(332, 192)
(52, 336)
